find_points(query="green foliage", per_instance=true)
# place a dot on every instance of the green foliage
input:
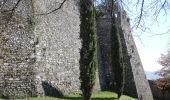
(88, 50)
(117, 58)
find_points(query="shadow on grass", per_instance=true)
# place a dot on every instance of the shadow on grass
(80, 98)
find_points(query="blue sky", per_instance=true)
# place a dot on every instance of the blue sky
(150, 45)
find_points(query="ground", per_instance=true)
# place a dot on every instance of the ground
(76, 96)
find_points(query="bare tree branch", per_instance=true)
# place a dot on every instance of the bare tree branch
(141, 13)
(168, 31)
(61, 4)
(13, 9)
(10, 12)
(16, 5)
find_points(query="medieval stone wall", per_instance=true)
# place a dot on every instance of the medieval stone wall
(129, 86)
(142, 85)
(136, 84)
(104, 59)
(39, 53)
(16, 49)
(104, 53)
(57, 46)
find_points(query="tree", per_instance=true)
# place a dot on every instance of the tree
(117, 58)
(164, 60)
(163, 84)
(88, 50)
(110, 8)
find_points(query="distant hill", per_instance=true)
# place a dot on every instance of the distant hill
(151, 75)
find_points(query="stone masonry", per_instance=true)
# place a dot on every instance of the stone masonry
(104, 62)
(16, 49)
(57, 46)
(39, 51)
(133, 61)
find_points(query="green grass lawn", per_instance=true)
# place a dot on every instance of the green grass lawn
(77, 96)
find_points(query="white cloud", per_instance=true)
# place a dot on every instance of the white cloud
(149, 61)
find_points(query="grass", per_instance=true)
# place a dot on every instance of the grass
(76, 96)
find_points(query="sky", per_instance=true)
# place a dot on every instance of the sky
(150, 45)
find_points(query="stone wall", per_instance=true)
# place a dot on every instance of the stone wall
(104, 59)
(16, 49)
(136, 84)
(142, 85)
(39, 51)
(104, 53)
(129, 86)
(57, 46)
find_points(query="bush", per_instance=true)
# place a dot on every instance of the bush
(161, 88)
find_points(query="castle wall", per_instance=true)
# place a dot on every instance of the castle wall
(136, 84)
(104, 53)
(39, 50)
(16, 49)
(129, 86)
(142, 85)
(104, 59)
(57, 46)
